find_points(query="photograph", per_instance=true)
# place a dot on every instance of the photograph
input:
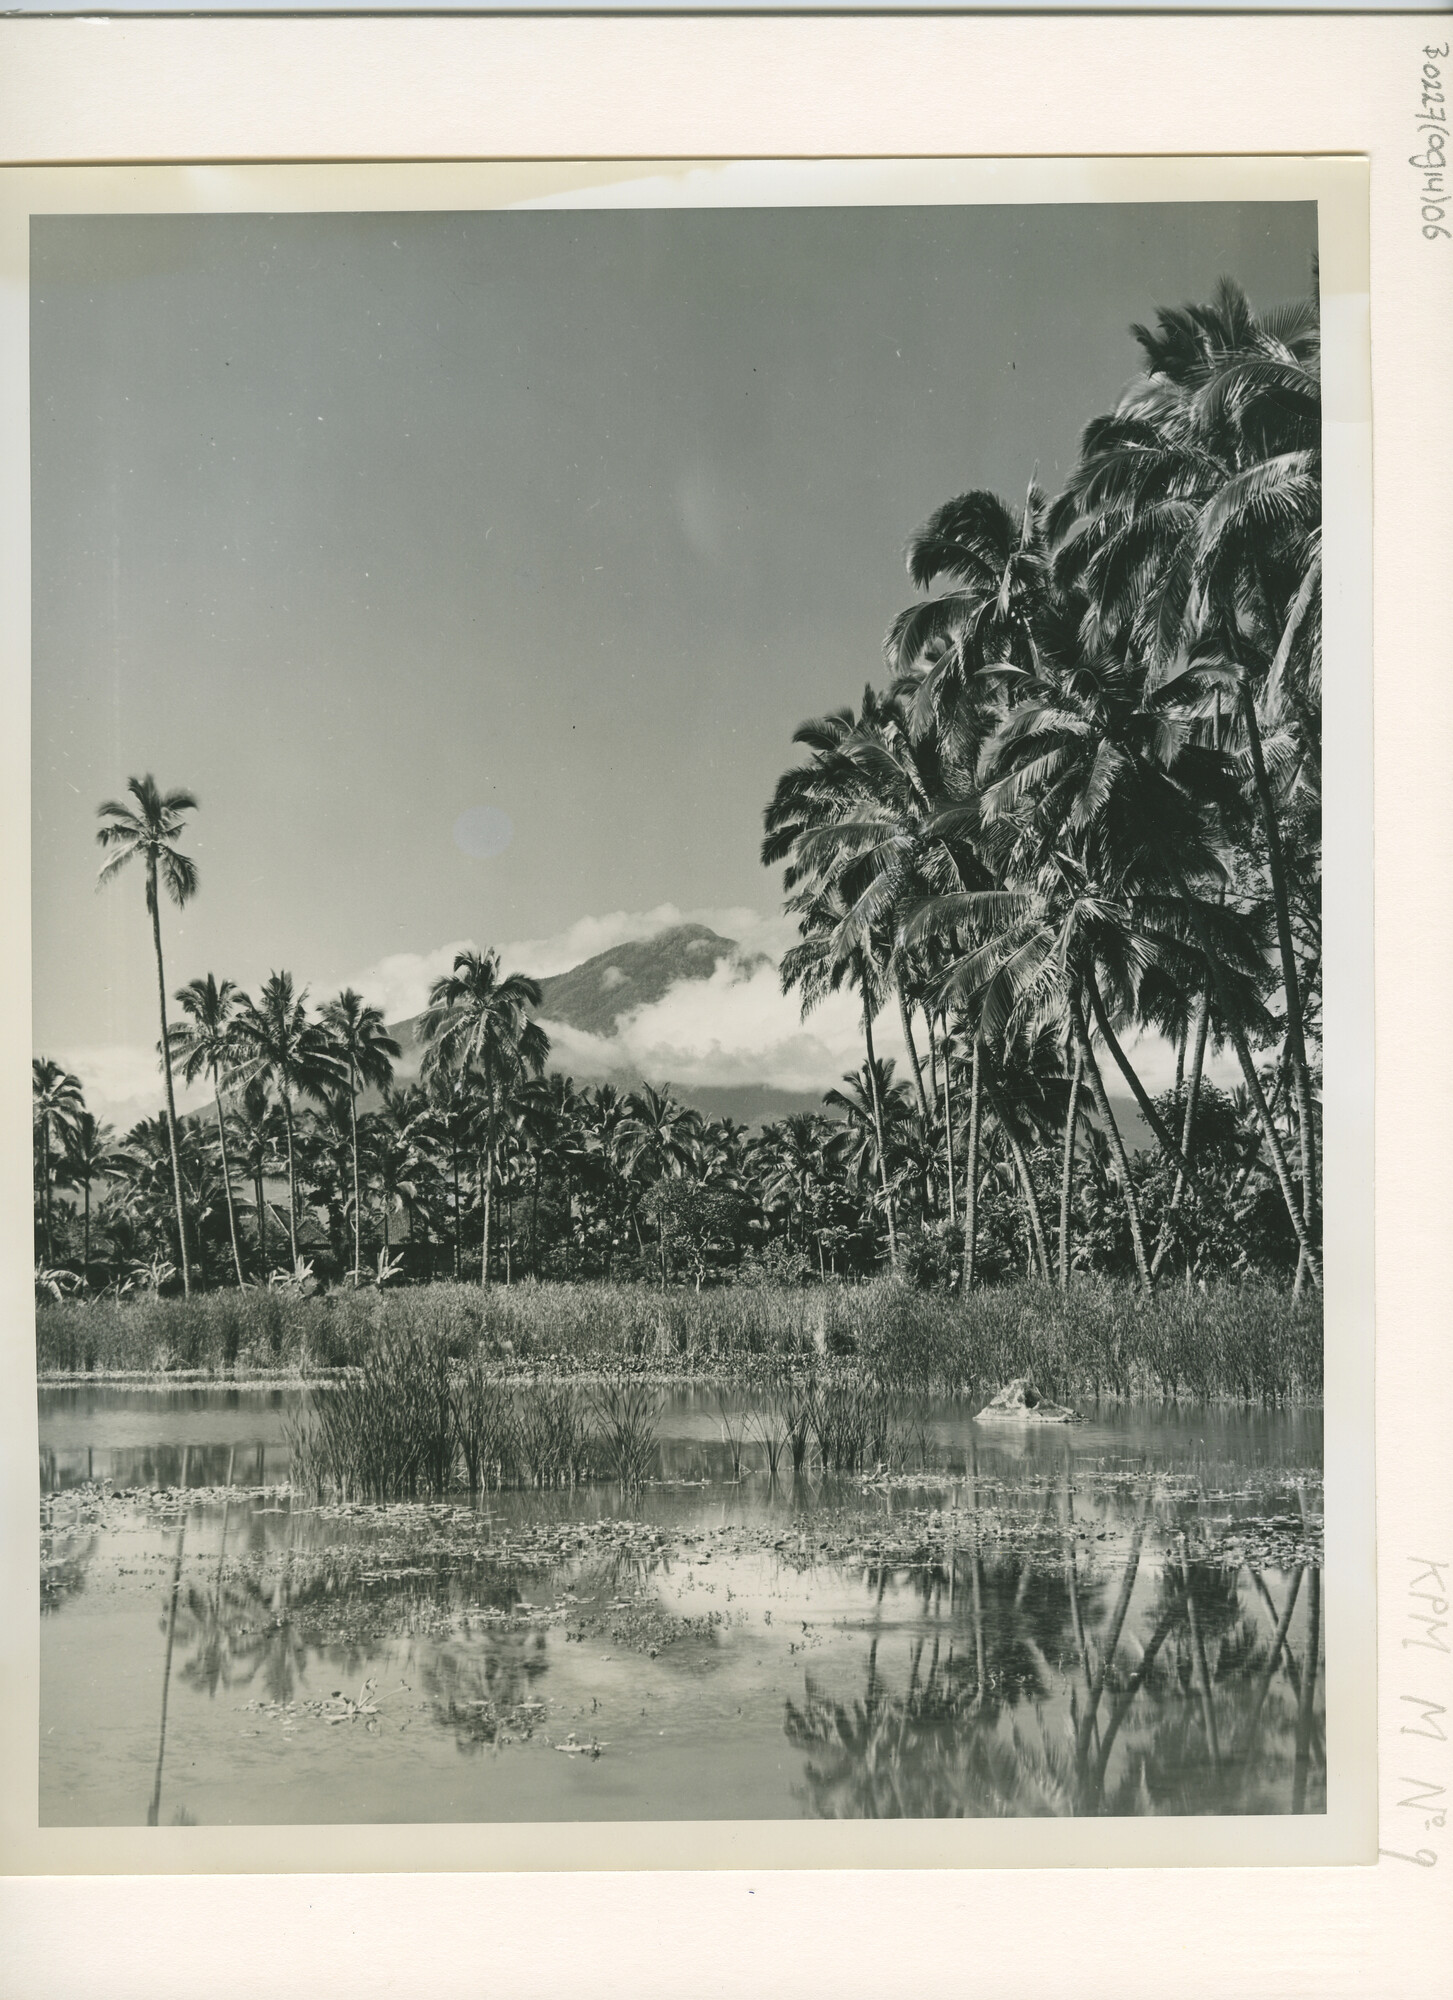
(677, 1009)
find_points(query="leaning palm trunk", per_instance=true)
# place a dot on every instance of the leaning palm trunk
(261, 1223)
(971, 1170)
(1291, 983)
(1067, 1171)
(1307, 1260)
(1174, 1153)
(1198, 1059)
(1122, 1163)
(166, 1065)
(905, 1015)
(227, 1180)
(878, 1129)
(1026, 1179)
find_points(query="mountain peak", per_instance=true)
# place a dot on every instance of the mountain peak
(592, 996)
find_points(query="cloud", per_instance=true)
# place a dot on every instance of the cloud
(122, 1083)
(737, 1027)
(400, 983)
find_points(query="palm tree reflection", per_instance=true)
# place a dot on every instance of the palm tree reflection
(1022, 1694)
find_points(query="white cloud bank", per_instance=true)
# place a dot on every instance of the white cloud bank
(400, 983)
(734, 1028)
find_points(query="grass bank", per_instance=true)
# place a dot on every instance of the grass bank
(1248, 1343)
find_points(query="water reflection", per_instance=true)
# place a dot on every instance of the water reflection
(1029, 1697)
(1046, 1634)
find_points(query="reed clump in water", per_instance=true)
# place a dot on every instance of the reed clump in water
(552, 1433)
(629, 1415)
(387, 1433)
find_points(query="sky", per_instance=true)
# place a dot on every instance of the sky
(474, 569)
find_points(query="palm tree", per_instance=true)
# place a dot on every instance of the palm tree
(205, 1044)
(396, 1163)
(280, 1046)
(257, 1126)
(148, 830)
(874, 1111)
(88, 1158)
(832, 955)
(478, 1026)
(362, 1043)
(55, 1103)
(1194, 517)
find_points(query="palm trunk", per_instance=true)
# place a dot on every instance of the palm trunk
(1122, 1164)
(971, 1171)
(905, 1015)
(1180, 1065)
(45, 1187)
(486, 1189)
(1198, 1058)
(878, 1128)
(948, 1130)
(86, 1232)
(1291, 983)
(454, 1171)
(1254, 1089)
(1148, 1111)
(1067, 1171)
(166, 1064)
(357, 1204)
(227, 1180)
(292, 1180)
(1026, 1179)
(261, 1222)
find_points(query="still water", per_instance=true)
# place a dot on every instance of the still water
(1119, 1617)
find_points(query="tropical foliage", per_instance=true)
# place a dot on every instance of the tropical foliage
(1083, 809)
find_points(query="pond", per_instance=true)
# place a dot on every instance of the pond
(1118, 1617)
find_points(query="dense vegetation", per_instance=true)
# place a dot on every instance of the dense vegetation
(1085, 804)
(1250, 1342)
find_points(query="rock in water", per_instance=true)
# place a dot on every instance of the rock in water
(1019, 1402)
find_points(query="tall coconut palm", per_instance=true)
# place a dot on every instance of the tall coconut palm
(281, 1047)
(89, 1157)
(368, 1052)
(147, 830)
(864, 815)
(56, 1102)
(1194, 519)
(205, 1044)
(478, 1025)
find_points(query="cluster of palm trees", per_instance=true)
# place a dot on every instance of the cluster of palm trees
(1087, 806)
